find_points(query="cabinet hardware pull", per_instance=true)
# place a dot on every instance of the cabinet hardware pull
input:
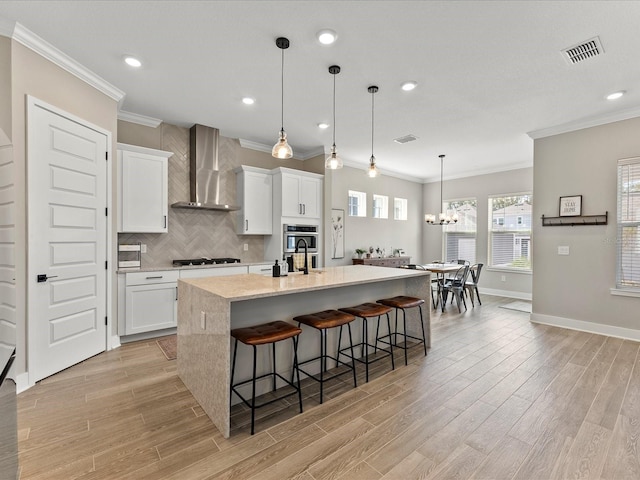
(304, 208)
(246, 225)
(176, 293)
(152, 278)
(165, 221)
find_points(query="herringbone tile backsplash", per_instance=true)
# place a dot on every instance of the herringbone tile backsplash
(197, 233)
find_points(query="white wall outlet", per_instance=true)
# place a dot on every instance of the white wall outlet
(503, 278)
(563, 250)
(203, 320)
(246, 247)
(143, 248)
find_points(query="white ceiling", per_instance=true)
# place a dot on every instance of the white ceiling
(487, 72)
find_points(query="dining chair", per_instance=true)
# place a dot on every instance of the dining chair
(471, 286)
(456, 285)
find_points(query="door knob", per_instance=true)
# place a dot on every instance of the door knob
(43, 277)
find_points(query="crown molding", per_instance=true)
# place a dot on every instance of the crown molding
(51, 53)
(482, 171)
(585, 123)
(261, 147)
(139, 119)
(381, 171)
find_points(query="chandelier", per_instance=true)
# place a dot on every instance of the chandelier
(443, 218)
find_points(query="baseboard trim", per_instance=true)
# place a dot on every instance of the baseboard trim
(147, 335)
(505, 293)
(114, 343)
(590, 327)
(22, 382)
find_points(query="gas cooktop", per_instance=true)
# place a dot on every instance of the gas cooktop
(204, 261)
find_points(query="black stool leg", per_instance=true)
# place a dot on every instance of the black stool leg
(404, 323)
(323, 361)
(393, 363)
(253, 391)
(365, 345)
(273, 349)
(339, 344)
(296, 369)
(424, 337)
(353, 358)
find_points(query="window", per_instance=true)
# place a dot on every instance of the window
(510, 231)
(357, 204)
(380, 206)
(399, 208)
(628, 265)
(460, 238)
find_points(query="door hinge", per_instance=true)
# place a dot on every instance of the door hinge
(106, 211)
(105, 321)
(106, 156)
(106, 265)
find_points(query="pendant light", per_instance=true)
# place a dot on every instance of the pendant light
(373, 170)
(282, 149)
(333, 161)
(443, 218)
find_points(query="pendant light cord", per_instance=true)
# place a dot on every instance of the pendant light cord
(441, 179)
(282, 91)
(334, 110)
(372, 94)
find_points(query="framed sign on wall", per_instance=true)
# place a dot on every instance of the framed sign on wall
(571, 206)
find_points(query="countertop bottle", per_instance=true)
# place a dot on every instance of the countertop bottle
(276, 269)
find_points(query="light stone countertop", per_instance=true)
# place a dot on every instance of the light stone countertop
(189, 267)
(249, 286)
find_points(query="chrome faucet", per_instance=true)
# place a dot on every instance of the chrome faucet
(305, 269)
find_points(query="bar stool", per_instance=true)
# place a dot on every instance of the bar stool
(322, 321)
(264, 334)
(402, 303)
(366, 311)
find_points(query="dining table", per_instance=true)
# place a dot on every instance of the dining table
(441, 270)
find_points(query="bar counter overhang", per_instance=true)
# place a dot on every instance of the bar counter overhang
(209, 307)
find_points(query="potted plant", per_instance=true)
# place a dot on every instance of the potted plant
(359, 252)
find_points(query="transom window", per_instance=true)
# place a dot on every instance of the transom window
(510, 231)
(357, 204)
(380, 206)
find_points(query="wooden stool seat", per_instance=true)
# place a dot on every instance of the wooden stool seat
(322, 321)
(403, 302)
(266, 333)
(325, 319)
(367, 310)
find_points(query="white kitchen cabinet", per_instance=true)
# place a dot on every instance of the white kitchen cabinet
(142, 189)
(264, 269)
(254, 190)
(150, 301)
(300, 193)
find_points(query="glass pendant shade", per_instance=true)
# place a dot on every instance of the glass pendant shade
(333, 161)
(373, 170)
(282, 149)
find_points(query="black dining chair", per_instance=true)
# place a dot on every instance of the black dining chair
(456, 285)
(471, 286)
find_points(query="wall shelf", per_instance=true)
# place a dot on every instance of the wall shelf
(573, 221)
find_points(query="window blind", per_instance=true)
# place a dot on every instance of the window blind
(510, 231)
(628, 275)
(460, 237)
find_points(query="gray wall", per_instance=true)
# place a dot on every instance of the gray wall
(574, 290)
(516, 284)
(362, 232)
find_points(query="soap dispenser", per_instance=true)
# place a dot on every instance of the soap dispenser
(276, 269)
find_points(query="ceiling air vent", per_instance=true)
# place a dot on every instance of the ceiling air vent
(405, 139)
(588, 49)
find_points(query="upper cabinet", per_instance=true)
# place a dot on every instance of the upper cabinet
(300, 193)
(254, 189)
(142, 189)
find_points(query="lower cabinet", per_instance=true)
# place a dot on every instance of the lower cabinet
(150, 301)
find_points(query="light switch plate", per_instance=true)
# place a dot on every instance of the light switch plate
(563, 250)
(203, 320)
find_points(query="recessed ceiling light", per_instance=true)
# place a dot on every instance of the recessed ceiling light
(615, 95)
(248, 100)
(323, 125)
(327, 36)
(408, 86)
(132, 61)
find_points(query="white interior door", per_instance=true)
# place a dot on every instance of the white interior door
(67, 251)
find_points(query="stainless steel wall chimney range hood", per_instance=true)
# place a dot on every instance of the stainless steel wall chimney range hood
(204, 174)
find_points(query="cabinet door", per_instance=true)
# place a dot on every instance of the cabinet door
(143, 193)
(310, 197)
(291, 204)
(212, 272)
(150, 307)
(256, 201)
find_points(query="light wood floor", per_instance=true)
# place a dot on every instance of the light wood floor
(496, 398)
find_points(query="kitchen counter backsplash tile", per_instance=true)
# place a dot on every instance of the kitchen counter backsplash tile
(196, 233)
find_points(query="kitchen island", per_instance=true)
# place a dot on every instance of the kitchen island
(208, 308)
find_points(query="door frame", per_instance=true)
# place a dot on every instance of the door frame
(32, 104)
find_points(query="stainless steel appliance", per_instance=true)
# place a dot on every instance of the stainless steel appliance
(204, 261)
(293, 233)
